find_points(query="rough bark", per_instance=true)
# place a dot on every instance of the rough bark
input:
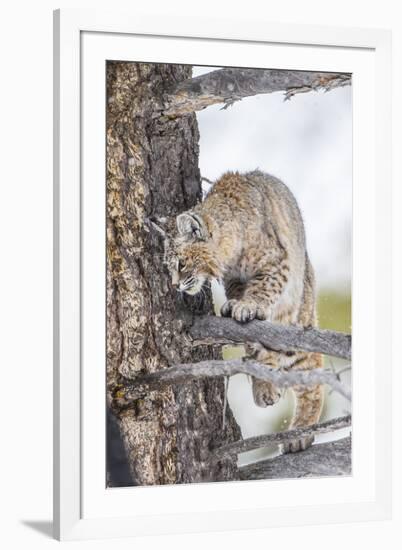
(320, 460)
(281, 378)
(152, 170)
(229, 85)
(271, 335)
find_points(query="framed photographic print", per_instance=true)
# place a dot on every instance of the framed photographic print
(222, 226)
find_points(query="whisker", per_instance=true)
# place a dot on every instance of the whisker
(189, 281)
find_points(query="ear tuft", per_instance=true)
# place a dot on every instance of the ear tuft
(191, 225)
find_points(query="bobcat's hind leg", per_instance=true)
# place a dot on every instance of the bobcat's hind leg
(265, 393)
(309, 402)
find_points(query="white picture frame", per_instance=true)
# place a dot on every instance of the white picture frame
(83, 508)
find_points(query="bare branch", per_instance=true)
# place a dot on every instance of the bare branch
(232, 84)
(271, 335)
(321, 460)
(143, 384)
(259, 441)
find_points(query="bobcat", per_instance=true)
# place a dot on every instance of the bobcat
(249, 234)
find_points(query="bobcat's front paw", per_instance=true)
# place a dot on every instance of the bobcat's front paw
(244, 310)
(226, 309)
(297, 445)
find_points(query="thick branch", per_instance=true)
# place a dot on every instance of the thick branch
(271, 335)
(324, 459)
(259, 441)
(183, 373)
(232, 84)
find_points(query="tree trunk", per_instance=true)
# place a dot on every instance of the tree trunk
(152, 170)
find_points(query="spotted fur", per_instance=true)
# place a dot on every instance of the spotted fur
(249, 234)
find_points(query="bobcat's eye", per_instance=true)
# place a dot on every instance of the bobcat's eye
(181, 265)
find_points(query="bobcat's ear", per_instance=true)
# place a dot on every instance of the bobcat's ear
(191, 225)
(159, 225)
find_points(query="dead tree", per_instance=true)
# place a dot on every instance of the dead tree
(170, 427)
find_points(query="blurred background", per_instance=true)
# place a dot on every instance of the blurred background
(307, 143)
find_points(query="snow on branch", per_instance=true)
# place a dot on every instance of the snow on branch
(232, 84)
(208, 329)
